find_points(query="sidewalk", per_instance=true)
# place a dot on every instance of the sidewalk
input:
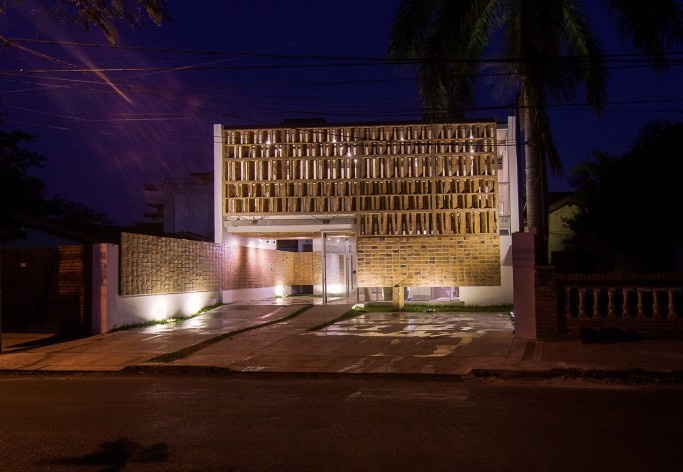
(253, 337)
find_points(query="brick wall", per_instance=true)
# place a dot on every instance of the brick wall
(151, 265)
(249, 267)
(429, 261)
(154, 265)
(547, 319)
(305, 268)
(75, 290)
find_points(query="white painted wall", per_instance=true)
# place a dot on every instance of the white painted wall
(110, 310)
(218, 183)
(246, 294)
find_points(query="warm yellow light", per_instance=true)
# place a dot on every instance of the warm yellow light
(193, 304)
(159, 309)
(336, 288)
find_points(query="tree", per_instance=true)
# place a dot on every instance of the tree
(20, 192)
(628, 217)
(546, 50)
(23, 193)
(69, 211)
(101, 14)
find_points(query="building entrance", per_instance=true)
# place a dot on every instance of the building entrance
(338, 264)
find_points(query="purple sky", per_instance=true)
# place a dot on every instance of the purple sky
(148, 113)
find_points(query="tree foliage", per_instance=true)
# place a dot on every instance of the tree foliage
(100, 14)
(629, 205)
(538, 50)
(20, 192)
(24, 193)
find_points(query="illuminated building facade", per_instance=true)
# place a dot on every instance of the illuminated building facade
(425, 206)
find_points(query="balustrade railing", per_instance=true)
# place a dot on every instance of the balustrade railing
(652, 297)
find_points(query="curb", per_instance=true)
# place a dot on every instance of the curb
(623, 376)
(627, 376)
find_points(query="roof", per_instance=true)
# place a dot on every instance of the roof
(557, 200)
(81, 232)
(321, 123)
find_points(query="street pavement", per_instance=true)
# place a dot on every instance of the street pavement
(269, 336)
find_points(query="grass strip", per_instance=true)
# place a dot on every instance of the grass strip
(172, 319)
(436, 308)
(182, 353)
(346, 316)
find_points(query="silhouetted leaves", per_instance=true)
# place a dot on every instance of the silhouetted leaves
(630, 216)
(24, 193)
(102, 15)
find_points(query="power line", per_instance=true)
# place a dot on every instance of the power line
(617, 57)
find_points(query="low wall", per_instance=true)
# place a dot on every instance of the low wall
(153, 265)
(111, 310)
(151, 278)
(242, 294)
(571, 305)
(495, 294)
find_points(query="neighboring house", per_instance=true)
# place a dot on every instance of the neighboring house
(24, 232)
(562, 207)
(182, 207)
(429, 208)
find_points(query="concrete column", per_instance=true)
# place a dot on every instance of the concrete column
(218, 187)
(105, 275)
(397, 298)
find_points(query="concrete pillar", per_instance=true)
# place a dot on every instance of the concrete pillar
(523, 282)
(397, 298)
(105, 275)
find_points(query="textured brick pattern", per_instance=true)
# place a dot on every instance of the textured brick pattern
(399, 179)
(429, 261)
(75, 289)
(248, 267)
(306, 268)
(153, 265)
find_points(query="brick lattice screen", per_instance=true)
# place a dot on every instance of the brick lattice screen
(429, 261)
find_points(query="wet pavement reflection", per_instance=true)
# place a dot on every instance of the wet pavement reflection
(425, 325)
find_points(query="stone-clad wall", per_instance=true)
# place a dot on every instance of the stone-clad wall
(429, 261)
(306, 268)
(249, 267)
(154, 265)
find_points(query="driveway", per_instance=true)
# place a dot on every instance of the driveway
(271, 336)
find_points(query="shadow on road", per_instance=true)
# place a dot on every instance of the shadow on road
(114, 456)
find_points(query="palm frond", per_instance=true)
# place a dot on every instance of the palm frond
(651, 26)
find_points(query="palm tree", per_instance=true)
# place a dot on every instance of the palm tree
(544, 50)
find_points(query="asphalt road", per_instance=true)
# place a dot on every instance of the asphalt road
(254, 422)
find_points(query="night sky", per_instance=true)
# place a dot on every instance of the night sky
(110, 119)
